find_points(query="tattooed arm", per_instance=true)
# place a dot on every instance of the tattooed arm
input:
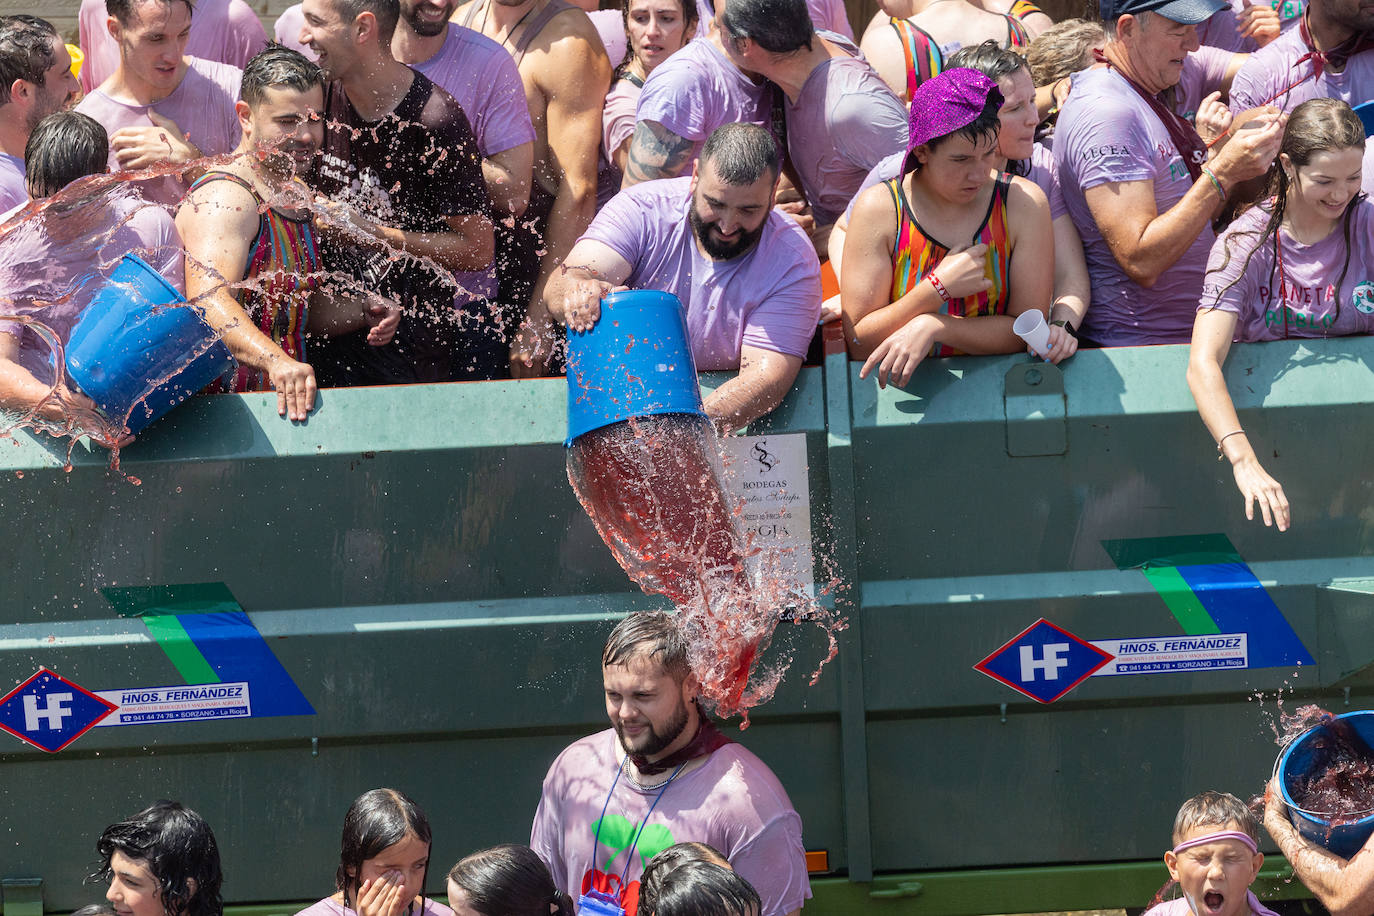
(655, 152)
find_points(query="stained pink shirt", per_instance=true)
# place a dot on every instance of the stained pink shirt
(227, 31)
(287, 30)
(13, 190)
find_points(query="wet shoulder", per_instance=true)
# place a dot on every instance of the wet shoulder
(215, 76)
(325, 907)
(431, 106)
(740, 774)
(593, 754)
(786, 243)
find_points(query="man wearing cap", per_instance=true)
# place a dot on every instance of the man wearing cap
(1344, 886)
(1279, 75)
(747, 275)
(1138, 180)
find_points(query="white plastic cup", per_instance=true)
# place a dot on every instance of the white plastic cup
(1030, 326)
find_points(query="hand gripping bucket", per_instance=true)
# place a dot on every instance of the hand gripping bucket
(135, 332)
(1346, 835)
(635, 362)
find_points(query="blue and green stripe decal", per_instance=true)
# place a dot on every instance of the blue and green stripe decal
(210, 639)
(1209, 588)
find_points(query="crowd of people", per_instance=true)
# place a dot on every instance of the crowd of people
(659, 815)
(403, 191)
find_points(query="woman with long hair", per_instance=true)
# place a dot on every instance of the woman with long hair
(940, 260)
(1295, 265)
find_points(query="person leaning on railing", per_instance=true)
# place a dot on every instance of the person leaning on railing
(1295, 265)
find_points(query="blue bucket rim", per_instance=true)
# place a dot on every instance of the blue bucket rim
(1281, 764)
(152, 273)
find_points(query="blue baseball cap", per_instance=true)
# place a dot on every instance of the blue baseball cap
(1184, 12)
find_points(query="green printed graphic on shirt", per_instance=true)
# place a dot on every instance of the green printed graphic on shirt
(616, 833)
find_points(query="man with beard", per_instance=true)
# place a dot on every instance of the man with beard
(252, 261)
(747, 276)
(661, 775)
(35, 81)
(403, 179)
(483, 79)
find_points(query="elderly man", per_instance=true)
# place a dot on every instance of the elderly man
(161, 105)
(841, 119)
(1137, 178)
(394, 194)
(663, 756)
(35, 81)
(747, 276)
(1344, 886)
(1338, 29)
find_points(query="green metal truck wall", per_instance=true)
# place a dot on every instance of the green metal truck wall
(417, 562)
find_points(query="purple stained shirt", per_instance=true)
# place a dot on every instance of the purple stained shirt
(1179, 907)
(733, 802)
(610, 25)
(844, 121)
(769, 297)
(825, 14)
(202, 106)
(1271, 70)
(1204, 70)
(328, 907)
(1107, 133)
(287, 30)
(227, 31)
(481, 76)
(47, 253)
(698, 89)
(13, 190)
(1304, 302)
(617, 126)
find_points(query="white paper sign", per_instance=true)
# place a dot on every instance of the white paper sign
(767, 476)
(185, 703)
(1160, 654)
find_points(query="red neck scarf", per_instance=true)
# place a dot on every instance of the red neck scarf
(1184, 136)
(708, 739)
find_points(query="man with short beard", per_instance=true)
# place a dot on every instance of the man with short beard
(663, 774)
(35, 81)
(747, 276)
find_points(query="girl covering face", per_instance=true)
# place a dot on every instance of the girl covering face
(1299, 264)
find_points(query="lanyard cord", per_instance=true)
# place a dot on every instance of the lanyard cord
(629, 853)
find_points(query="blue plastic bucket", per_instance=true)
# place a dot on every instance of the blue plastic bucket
(132, 333)
(1297, 760)
(635, 362)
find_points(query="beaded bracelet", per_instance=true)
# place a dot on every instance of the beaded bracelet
(1221, 192)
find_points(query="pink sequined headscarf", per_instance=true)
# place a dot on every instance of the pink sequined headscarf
(946, 102)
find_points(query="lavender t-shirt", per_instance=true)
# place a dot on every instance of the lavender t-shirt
(1304, 301)
(287, 30)
(844, 121)
(48, 255)
(1273, 68)
(13, 190)
(328, 907)
(1204, 70)
(698, 89)
(1107, 133)
(769, 297)
(732, 802)
(825, 14)
(1179, 907)
(227, 31)
(617, 126)
(610, 25)
(202, 106)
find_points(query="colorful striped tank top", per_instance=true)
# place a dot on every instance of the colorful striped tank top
(285, 263)
(916, 254)
(921, 52)
(1017, 34)
(1023, 8)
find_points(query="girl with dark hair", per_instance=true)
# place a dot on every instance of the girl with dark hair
(1297, 265)
(163, 861)
(506, 880)
(383, 860)
(941, 260)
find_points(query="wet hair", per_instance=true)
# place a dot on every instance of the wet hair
(996, 63)
(26, 51)
(1062, 49)
(661, 865)
(651, 634)
(64, 146)
(178, 847)
(376, 821)
(95, 909)
(1315, 126)
(509, 880)
(278, 67)
(741, 153)
(705, 889)
(123, 10)
(1215, 809)
(777, 26)
(386, 12)
(690, 15)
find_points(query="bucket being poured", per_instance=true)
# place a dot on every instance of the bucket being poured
(1343, 835)
(635, 362)
(138, 349)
